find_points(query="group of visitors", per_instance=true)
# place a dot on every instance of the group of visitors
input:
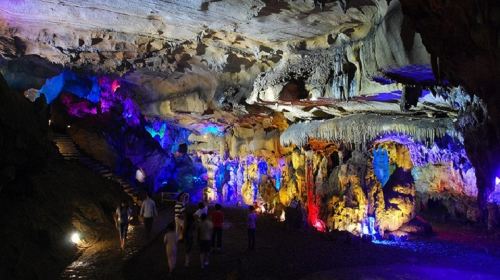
(124, 214)
(189, 225)
(185, 227)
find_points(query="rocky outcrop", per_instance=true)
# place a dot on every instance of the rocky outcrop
(23, 134)
(462, 37)
(176, 60)
(41, 203)
(40, 210)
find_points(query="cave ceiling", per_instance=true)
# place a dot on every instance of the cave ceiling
(232, 62)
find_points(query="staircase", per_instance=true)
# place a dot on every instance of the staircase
(70, 151)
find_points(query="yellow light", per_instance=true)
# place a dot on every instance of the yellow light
(75, 238)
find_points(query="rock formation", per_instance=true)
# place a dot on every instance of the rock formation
(365, 112)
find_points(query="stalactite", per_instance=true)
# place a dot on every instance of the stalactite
(360, 129)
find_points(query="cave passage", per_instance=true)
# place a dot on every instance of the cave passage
(249, 139)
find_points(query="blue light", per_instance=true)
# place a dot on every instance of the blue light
(168, 135)
(83, 87)
(156, 132)
(381, 165)
(212, 129)
(53, 87)
(277, 177)
(369, 227)
(262, 166)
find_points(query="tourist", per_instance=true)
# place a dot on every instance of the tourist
(179, 213)
(148, 212)
(170, 241)
(189, 229)
(251, 223)
(218, 221)
(122, 216)
(204, 237)
(202, 209)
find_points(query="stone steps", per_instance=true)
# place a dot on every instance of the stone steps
(70, 151)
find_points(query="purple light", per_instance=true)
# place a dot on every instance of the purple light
(393, 96)
(131, 112)
(444, 150)
(78, 108)
(383, 80)
(421, 74)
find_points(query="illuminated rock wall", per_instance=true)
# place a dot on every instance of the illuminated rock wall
(342, 186)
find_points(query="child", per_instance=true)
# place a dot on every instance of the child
(251, 222)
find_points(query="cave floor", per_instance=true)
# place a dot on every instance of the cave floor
(455, 252)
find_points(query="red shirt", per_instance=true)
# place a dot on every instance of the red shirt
(217, 219)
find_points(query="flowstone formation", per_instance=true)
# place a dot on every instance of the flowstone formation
(397, 206)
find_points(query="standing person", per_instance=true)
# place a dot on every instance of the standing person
(148, 212)
(170, 241)
(204, 236)
(252, 224)
(179, 212)
(202, 209)
(189, 231)
(217, 221)
(122, 217)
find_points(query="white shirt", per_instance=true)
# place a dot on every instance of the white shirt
(201, 211)
(148, 208)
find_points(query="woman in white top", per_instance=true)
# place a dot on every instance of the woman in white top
(170, 240)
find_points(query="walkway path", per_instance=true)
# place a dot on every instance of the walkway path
(106, 260)
(282, 254)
